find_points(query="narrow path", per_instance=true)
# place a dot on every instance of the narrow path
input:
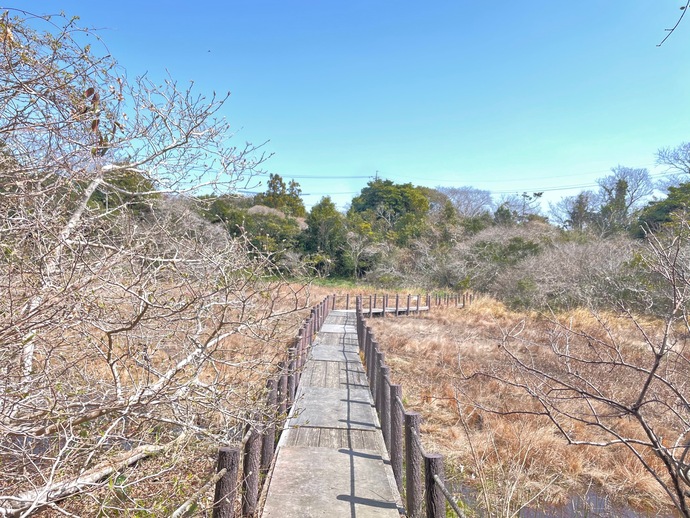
(331, 459)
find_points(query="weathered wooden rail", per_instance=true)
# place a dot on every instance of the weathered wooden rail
(425, 495)
(252, 458)
(334, 363)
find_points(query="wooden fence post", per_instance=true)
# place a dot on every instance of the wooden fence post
(307, 332)
(367, 339)
(368, 347)
(371, 309)
(361, 330)
(375, 295)
(298, 360)
(396, 449)
(226, 487)
(347, 301)
(385, 404)
(379, 362)
(384, 305)
(397, 303)
(250, 473)
(291, 384)
(269, 438)
(413, 465)
(435, 500)
(418, 299)
(282, 389)
(371, 369)
(408, 303)
(301, 349)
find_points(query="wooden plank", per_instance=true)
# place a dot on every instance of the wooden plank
(331, 460)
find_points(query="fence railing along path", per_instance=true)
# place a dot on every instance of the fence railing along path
(419, 475)
(331, 459)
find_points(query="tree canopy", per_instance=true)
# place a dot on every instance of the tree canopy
(285, 198)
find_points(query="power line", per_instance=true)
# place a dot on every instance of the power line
(427, 179)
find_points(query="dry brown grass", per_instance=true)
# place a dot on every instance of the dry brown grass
(510, 460)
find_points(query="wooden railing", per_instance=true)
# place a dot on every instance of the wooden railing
(401, 430)
(254, 455)
(384, 304)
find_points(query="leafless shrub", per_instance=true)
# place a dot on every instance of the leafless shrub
(595, 272)
(128, 326)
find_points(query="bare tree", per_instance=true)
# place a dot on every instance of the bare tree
(602, 388)
(359, 247)
(574, 212)
(125, 319)
(677, 163)
(571, 274)
(469, 201)
(638, 185)
(520, 208)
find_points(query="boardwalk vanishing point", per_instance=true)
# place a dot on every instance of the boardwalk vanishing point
(331, 458)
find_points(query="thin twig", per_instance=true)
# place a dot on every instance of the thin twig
(188, 503)
(680, 18)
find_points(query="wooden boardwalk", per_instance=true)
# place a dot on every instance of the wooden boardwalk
(331, 459)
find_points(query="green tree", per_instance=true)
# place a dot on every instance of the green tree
(396, 211)
(324, 237)
(659, 214)
(326, 228)
(504, 216)
(271, 233)
(293, 202)
(580, 213)
(620, 195)
(363, 245)
(613, 215)
(282, 197)
(230, 211)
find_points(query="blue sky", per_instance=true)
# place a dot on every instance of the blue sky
(505, 96)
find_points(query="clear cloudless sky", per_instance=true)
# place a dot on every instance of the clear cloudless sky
(501, 95)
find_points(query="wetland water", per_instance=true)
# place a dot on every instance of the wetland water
(591, 505)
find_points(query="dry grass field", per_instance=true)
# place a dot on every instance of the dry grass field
(512, 461)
